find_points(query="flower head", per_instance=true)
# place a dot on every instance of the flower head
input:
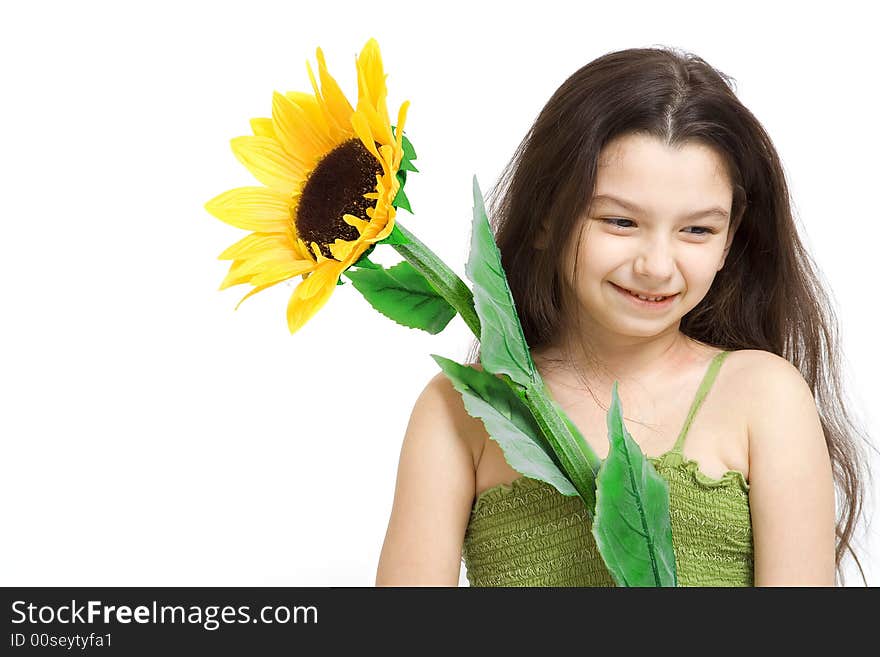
(330, 176)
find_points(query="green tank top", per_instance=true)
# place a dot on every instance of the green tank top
(529, 534)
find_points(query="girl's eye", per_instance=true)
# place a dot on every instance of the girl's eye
(613, 221)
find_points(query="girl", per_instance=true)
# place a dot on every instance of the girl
(647, 236)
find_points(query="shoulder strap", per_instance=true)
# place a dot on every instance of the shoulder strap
(702, 391)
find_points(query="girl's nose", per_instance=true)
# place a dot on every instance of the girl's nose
(654, 260)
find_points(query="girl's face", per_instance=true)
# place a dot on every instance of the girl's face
(664, 232)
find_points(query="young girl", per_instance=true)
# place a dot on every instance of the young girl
(647, 236)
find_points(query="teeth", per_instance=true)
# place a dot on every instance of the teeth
(648, 298)
(643, 298)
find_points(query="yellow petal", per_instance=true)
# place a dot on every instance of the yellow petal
(302, 250)
(387, 153)
(267, 272)
(319, 257)
(386, 230)
(255, 243)
(259, 288)
(371, 75)
(310, 295)
(269, 163)
(357, 222)
(312, 107)
(265, 264)
(338, 132)
(342, 249)
(262, 127)
(380, 226)
(380, 126)
(296, 133)
(234, 276)
(401, 120)
(253, 208)
(387, 187)
(372, 92)
(337, 104)
(362, 129)
(282, 271)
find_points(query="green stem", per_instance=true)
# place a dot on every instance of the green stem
(578, 460)
(445, 281)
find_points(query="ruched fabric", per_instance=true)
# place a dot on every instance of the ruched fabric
(528, 534)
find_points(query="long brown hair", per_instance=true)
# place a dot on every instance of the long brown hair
(768, 295)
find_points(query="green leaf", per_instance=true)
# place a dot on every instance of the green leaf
(401, 201)
(408, 151)
(364, 260)
(508, 422)
(631, 526)
(395, 237)
(402, 294)
(503, 346)
(407, 165)
(365, 263)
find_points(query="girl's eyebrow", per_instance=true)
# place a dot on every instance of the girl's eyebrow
(711, 213)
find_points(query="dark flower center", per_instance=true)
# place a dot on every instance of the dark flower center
(336, 187)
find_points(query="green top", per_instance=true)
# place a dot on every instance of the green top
(529, 534)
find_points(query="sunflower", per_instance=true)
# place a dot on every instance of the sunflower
(330, 176)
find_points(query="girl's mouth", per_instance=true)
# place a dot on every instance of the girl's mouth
(645, 303)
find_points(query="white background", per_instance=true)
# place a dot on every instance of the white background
(152, 436)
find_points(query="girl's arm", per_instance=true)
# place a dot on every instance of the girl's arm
(791, 486)
(434, 492)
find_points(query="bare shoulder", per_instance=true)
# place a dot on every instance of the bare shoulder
(441, 400)
(434, 493)
(774, 385)
(753, 366)
(764, 389)
(762, 379)
(791, 493)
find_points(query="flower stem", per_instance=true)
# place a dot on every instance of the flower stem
(578, 460)
(446, 282)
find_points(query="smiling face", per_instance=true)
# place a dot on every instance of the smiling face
(667, 233)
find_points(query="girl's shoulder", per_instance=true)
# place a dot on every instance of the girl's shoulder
(764, 383)
(447, 408)
(751, 367)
